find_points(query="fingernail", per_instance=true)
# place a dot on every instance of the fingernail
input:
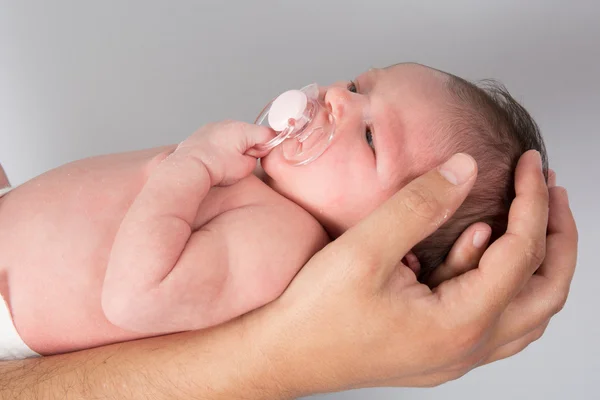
(479, 238)
(458, 169)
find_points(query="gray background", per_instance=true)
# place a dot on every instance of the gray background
(80, 78)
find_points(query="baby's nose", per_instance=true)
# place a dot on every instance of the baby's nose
(340, 101)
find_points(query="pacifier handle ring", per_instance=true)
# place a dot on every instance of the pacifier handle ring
(294, 129)
(277, 140)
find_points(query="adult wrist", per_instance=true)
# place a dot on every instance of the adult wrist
(292, 363)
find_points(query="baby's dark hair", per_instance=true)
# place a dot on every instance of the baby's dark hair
(485, 121)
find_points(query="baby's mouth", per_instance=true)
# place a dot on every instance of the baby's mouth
(304, 121)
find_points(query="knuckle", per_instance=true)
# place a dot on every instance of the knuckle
(538, 334)
(227, 123)
(536, 251)
(457, 374)
(444, 377)
(436, 380)
(458, 343)
(464, 366)
(559, 300)
(213, 139)
(467, 339)
(422, 203)
(367, 260)
(227, 127)
(461, 368)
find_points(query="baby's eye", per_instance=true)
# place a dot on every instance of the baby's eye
(369, 137)
(368, 134)
(352, 87)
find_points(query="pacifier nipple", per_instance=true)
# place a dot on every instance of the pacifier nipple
(305, 126)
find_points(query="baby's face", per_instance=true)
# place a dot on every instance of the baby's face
(385, 136)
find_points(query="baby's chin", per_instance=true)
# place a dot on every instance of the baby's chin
(291, 182)
(279, 169)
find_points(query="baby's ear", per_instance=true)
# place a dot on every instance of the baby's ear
(412, 262)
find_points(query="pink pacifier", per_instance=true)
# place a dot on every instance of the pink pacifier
(304, 125)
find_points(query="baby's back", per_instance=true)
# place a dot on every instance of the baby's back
(56, 234)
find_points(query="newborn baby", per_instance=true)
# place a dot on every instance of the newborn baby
(125, 246)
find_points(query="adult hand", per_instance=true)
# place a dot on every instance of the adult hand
(470, 246)
(356, 317)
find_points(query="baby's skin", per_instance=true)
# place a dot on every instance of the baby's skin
(124, 246)
(130, 245)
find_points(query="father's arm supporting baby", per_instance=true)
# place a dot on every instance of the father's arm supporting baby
(164, 275)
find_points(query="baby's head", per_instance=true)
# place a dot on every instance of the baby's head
(396, 123)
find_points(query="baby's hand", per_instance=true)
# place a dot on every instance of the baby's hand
(226, 149)
(160, 233)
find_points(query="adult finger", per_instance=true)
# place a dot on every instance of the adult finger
(551, 178)
(454, 372)
(516, 346)
(562, 239)
(546, 292)
(506, 266)
(464, 255)
(412, 214)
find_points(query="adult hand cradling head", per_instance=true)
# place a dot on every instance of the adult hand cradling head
(356, 317)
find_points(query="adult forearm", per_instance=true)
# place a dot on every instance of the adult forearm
(223, 363)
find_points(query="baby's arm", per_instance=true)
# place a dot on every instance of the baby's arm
(162, 275)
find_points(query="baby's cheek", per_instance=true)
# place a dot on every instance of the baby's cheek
(272, 164)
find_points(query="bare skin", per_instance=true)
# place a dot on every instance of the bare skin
(304, 344)
(185, 237)
(68, 250)
(178, 238)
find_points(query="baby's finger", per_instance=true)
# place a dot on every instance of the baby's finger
(381, 240)
(464, 255)
(251, 135)
(237, 135)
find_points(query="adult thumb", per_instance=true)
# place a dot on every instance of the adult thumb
(382, 239)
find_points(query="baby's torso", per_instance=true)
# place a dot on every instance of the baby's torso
(56, 234)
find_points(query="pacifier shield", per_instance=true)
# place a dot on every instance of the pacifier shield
(289, 105)
(304, 124)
